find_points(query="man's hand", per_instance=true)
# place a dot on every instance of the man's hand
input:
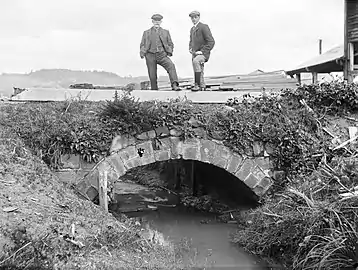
(198, 52)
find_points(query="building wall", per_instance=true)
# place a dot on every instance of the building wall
(352, 20)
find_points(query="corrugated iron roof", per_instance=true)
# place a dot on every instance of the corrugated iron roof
(324, 63)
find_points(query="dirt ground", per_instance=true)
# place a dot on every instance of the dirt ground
(44, 225)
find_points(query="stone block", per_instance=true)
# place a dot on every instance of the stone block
(191, 151)
(148, 159)
(207, 151)
(264, 163)
(162, 155)
(143, 136)
(121, 141)
(164, 144)
(258, 148)
(128, 153)
(234, 163)
(258, 190)
(70, 161)
(162, 131)
(82, 186)
(245, 169)
(251, 180)
(219, 162)
(222, 156)
(92, 193)
(249, 151)
(132, 163)
(223, 152)
(258, 173)
(86, 165)
(175, 132)
(145, 148)
(266, 182)
(176, 147)
(118, 164)
(152, 134)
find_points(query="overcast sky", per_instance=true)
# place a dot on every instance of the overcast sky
(105, 34)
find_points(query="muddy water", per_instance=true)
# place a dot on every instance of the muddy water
(209, 237)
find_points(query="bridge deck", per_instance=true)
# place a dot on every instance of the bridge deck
(46, 94)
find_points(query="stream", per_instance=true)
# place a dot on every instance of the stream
(208, 236)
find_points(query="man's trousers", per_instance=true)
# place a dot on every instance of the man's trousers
(160, 58)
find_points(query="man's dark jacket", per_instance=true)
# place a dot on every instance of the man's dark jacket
(201, 39)
(164, 36)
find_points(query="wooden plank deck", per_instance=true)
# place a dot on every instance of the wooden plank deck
(46, 94)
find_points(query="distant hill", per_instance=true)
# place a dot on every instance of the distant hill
(62, 78)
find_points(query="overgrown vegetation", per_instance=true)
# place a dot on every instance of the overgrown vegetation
(306, 223)
(312, 222)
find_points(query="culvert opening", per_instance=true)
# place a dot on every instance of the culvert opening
(191, 184)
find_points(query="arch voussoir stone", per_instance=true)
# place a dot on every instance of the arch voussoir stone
(191, 149)
(128, 152)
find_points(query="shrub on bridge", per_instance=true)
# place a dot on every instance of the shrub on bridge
(331, 98)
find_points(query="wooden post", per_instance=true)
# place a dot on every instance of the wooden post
(350, 58)
(177, 176)
(102, 193)
(320, 46)
(346, 65)
(314, 77)
(298, 77)
(193, 178)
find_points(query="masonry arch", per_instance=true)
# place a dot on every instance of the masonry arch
(128, 152)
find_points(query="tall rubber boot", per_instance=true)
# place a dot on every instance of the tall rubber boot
(197, 76)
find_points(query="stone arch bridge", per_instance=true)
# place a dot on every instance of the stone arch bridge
(127, 152)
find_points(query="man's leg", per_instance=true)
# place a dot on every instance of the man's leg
(151, 62)
(198, 62)
(169, 66)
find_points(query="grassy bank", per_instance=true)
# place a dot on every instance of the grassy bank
(44, 225)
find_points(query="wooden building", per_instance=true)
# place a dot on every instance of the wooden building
(341, 58)
(350, 39)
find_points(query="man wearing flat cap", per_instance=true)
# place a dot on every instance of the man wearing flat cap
(156, 47)
(200, 45)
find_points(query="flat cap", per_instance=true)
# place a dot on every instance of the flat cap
(157, 17)
(194, 13)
